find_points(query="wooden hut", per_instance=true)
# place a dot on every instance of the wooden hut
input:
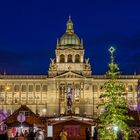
(31, 121)
(75, 127)
(30, 118)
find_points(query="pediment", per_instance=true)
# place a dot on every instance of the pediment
(69, 74)
(72, 120)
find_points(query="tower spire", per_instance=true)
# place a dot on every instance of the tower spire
(69, 28)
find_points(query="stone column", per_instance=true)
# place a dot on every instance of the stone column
(73, 58)
(66, 58)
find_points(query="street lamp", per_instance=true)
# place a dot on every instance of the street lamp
(85, 114)
(36, 105)
(54, 114)
(44, 111)
(2, 100)
(6, 89)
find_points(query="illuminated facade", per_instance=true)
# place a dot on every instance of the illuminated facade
(69, 75)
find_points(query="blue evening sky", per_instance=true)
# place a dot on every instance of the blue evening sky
(29, 29)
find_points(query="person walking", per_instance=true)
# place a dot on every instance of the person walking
(95, 133)
(88, 135)
(40, 135)
(31, 135)
(63, 134)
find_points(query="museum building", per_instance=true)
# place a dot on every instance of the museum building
(69, 85)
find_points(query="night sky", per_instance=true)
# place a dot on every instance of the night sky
(29, 29)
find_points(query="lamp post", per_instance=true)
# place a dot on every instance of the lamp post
(54, 114)
(93, 101)
(36, 105)
(44, 111)
(2, 100)
(85, 114)
(6, 89)
(1, 97)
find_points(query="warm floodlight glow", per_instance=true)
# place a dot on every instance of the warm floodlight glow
(44, 110)
(115, 128)
(7, 88)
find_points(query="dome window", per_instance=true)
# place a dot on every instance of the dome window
(69, 58)
(62, 58)
(77, 58)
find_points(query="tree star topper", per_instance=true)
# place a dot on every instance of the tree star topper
(111, 49)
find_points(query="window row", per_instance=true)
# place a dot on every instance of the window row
(23, 88)
(17, 101)
(63, 110)
(70, 41)
(70, 95)
(69, 58)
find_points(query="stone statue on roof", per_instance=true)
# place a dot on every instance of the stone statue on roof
(87, 64)
(52, 64)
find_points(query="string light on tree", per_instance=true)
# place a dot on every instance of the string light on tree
(112, 121)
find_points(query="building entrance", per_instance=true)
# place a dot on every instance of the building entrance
(72, 130)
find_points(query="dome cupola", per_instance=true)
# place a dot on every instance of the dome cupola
(69, 37)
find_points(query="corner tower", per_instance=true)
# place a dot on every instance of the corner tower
(69, 54)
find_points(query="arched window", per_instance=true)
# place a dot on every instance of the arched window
(77, 110)
(77, 58)
(23, 88)
(77, 93)
(44, 88)
(62, 58)
(62, 94)
(31, 88)
(38, 88)
(62, 110)
(16, 88)
(69, 58)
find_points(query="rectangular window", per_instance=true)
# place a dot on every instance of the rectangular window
(1, 88)
(37, 88)
(23, 88)
(77, 93)
(31, 100)
(26, 113)
(95, 88)
(16, 88)
(31, 88)
(130, 88)
(44, 88)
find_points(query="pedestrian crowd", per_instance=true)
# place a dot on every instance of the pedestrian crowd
(134, 134)
(27, 135)
(89, 136)
(3, 136)
(40, 135)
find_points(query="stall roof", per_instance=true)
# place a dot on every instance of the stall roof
(30, 118)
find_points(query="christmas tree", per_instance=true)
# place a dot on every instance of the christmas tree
(113, 118)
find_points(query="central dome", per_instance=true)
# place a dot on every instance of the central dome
(69, 37)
